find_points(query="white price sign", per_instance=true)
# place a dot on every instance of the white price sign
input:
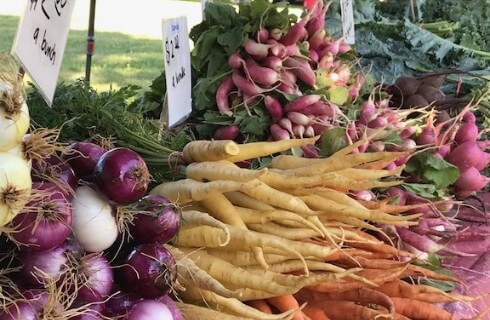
(40, 41)
(177, 58)
(347, 11)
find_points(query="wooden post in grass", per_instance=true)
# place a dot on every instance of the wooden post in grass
(90, 41)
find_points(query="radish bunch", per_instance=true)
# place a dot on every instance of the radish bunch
(456, 141)
(69, 240)
(296, 74)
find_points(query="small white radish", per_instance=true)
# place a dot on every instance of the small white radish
(94, 223)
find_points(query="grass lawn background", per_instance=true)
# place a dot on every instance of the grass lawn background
(119, 59)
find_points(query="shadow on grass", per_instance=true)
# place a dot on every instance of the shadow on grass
(119, 59)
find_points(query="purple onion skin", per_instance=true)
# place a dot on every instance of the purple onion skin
(99, 279)
(159, 220)
(53, 228)
(172, 306)
(149, 310)
(122, 176)
(90, 312)
(120, 304)
(58, 171)
(149, 271)
(83, 157)
(27, 308)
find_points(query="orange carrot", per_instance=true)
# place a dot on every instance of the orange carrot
(284, 303)
(363, 295)
(314, 313)
(420, 310)
(261, 305)
(346, 310)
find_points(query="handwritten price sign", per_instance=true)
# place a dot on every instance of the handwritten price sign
(177, 58)
(347, 11)
(40, 41)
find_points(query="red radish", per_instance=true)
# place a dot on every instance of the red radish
(344, 47)
(275, 34)
(293, 50)
(483, 162)
(246, 85)
(229, 132)
(82, 157)
(484, 145)
(467, 132)
(309, 132)
(407, 132)
(157, 220)
(288, 88)
(471, 180)
(299, 118)
(298, 131)
(367, 112)
(273, 62)
(261, 75)
(296, 32)
(278, 50)
(316, 23)
(363, 147)
(321, 124)
(274, 107)
(122, 175)
(399, 195)
(289, 77)
(365, 195)
(236, 61)
(301, 68)
(262, 35)
(278, 133)
(316, 39)
(310, 151)
(222, 96)
(378, 122)
(469, 117)
(149, 270)
(444, 151)
(326, 61)
(250, 100)
(302, 102)
(45, 222)
(402, 160)
(465, 155)
(331, 47)
(286, 124)
(427, 136)
(313, 55)
(322, 108)
(377, 146)
(422, 243)
(257, 50)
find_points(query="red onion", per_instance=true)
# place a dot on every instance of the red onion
(51, 263)
(120, 304)
(149, 310)
(46, 221)
(26, 307)
(158, 220)
(95, 278)
(149, 271)
(122, 175)
(174, 309)
(83, 157)
(57, 171)
(91, 311)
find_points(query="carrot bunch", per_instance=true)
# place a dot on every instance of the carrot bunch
(286, 241)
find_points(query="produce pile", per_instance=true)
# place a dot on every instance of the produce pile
(298, 189)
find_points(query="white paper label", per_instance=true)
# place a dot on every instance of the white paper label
(347, 11)
(40, 42)
(177, 58)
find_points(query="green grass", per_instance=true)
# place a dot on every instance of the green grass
(119, 59)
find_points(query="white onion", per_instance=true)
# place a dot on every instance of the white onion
(15, 185)
(94, 224)
(13, 126)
